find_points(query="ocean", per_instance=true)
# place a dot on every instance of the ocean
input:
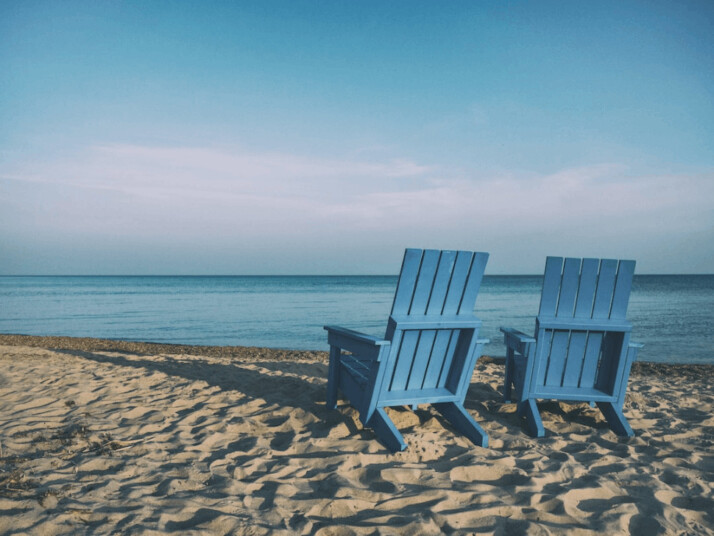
(673, 315)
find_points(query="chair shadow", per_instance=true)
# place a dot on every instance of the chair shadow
(275, 389)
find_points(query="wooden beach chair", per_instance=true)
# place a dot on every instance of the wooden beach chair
(428, 353)
(581, 350)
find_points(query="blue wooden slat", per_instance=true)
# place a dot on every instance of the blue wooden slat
(386, 431)
(551, 286)
(473, 283)
(605, 287)
(473, 351)
(543, 354)
(387, 371)
(588, 394)
(333, 375)
(458, 361)
(378, 380)
(613, 352)
(441, 283)
(449, 359)
(586, 291)
(358, 373)
(631, 348)
(407, 281)
(436, 321)
(417, 396)
(568, 288)
(462, 267)
(352, 390)
(556, 362)
(623, 286)
(584, 324)
(463, 422)
(425, 282)
(403, 364)
(591, 359)
(421, 359)
(436, 362)
(362, 346)
(576, 355)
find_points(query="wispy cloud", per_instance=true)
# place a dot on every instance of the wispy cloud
(167, 192)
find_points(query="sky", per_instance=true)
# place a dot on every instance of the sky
(324, 137)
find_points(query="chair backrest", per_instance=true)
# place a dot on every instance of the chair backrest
(581, 327)
(434, 286)
(586, 288)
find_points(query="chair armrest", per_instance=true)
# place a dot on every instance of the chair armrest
(517, 340)
(358, 343)
(355, 335)
(416, 322)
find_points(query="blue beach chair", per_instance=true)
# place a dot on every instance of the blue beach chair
(428, 353)
(581, 350)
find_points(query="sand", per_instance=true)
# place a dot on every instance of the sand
(107, 437)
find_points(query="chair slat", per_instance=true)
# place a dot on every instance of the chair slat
(556, 360)
(449, 358)
(425, 282)
(586, 291)
(591, 360)
(473, 283)
(420, 361)
(623, 285)
(407, 281)
(543, 356)
(403, 361)
(576, 356)
(462, 267)
(551, 286)
(568, 288)
(605, 287)
(438, 355)
(441, 283)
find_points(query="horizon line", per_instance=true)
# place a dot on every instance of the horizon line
(306, 275)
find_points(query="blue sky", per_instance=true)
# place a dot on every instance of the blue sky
(325, 137)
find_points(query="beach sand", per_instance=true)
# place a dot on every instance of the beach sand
(116, 437)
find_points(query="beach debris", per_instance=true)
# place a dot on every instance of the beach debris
(14, 482)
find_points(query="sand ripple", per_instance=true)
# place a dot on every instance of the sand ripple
(105, 441)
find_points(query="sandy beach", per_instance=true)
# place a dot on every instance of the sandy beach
(117, 437)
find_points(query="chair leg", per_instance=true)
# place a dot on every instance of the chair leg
(616, 419)
(333, 375)
(385, 430)
(508, 377)
(533, 420)
(463, 422)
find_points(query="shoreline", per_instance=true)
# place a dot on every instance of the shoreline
(147, 348)
(99, 436)
(61, 342)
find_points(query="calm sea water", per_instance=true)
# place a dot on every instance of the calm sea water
(672, 315)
